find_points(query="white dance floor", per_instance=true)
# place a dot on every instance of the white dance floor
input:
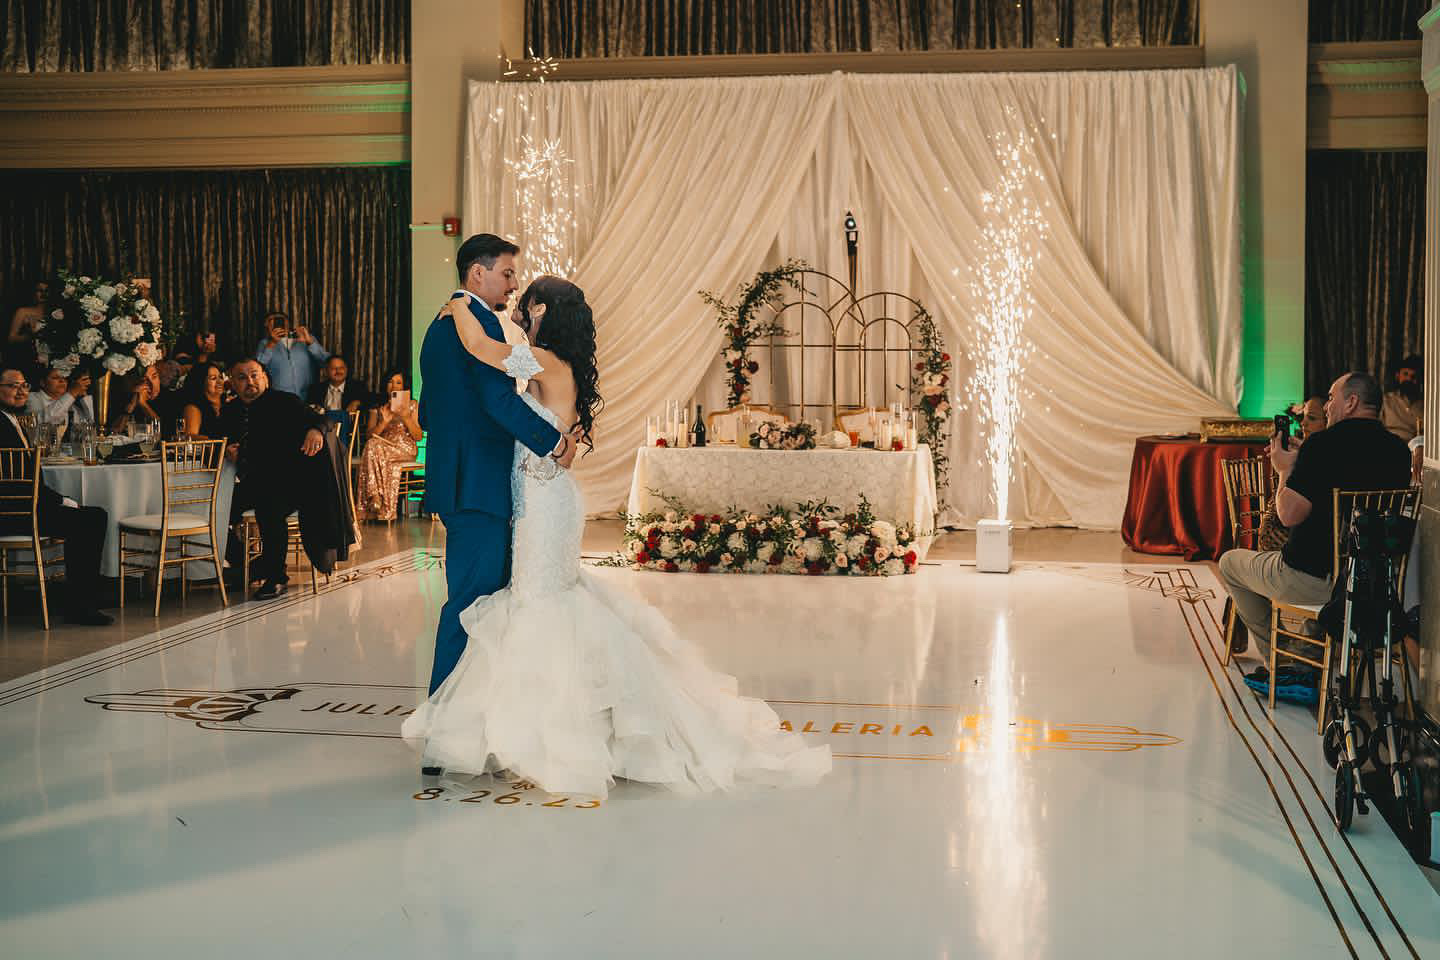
(1046, 764)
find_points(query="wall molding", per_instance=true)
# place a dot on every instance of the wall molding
(1366, 96)
(263, 117)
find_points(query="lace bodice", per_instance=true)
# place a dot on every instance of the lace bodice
(548, 513)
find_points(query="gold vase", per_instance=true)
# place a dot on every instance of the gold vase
(102, 403)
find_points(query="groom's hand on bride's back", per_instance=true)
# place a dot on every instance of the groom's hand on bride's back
(570, 442)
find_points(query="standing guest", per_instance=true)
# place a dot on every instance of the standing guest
(269, 432)
(290, 358)
(132, 399)
(394, 431)
(63, 400)
(1354, 452)
(24, 327)
(336, 391)
(1405, 400)
(82, 528)
(201, 402)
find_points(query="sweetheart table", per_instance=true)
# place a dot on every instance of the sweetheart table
(899, 485)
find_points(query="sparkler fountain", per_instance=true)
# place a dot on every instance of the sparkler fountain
(1001, 285)
(542, 178)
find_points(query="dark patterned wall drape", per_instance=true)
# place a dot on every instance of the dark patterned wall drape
(331, 247)
(1353, 21)
(43, 36)
(633, 28)
(1364, 262)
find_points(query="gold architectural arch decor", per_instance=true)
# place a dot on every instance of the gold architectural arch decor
(851, 350)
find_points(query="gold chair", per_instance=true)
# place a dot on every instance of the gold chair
(858, 419)
(412, 482)
(1249, 485)
(20, 498)
(720, 425)
(350, 459)
(1407, 502)
(190, 478)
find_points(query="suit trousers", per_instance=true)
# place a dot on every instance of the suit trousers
(1253, 579)
(477, 563)
(273, 506)
(83, 530)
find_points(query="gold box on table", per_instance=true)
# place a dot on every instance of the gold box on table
(1223, 428)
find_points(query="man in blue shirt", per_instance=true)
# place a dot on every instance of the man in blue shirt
(290, 357)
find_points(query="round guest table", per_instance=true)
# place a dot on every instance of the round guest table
(1177, 496)
(132, 490)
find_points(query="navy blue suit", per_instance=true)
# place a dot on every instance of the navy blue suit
(472, 417)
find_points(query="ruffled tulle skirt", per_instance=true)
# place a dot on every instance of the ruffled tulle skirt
(575, 689)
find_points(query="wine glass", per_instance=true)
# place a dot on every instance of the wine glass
(147, 438)
(106, 445)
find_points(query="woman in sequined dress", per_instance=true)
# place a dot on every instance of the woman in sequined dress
(393, 440)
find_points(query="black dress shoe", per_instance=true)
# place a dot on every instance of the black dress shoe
(271, 589)
(431, 771)
(89, 618)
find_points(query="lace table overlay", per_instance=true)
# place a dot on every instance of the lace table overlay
(899, 485)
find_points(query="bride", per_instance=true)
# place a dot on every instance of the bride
(566, 682)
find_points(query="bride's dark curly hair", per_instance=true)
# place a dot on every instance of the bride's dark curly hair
(567, 330)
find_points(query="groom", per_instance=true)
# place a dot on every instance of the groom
(472, 417)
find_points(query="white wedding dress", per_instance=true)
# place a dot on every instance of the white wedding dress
(572, 685)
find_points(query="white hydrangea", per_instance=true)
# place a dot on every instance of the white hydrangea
(813, 548)
(837, 537)
(755, 566)
(89, 341)
(765, 552)
(92, 304)
(125, 330)
(792, 565)
(151, 315)
(66, 365)
(668, 547)
(894, 568)
(735, 542)
(633, 548)
(855, 546)
(142, 304)
(147, 353)
(884, 531)
(119, 364)
(105, 292)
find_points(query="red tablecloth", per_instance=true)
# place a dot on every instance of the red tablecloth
(1177, 496)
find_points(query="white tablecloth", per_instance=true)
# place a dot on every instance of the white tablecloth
(900, 486)
(132, 490)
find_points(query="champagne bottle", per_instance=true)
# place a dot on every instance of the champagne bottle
(699, 427)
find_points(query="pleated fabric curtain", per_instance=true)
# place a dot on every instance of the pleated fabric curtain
(687, 185)
(328, 246)
(635, 28)
(1345, 21)
(1364, 262)
(44, 36)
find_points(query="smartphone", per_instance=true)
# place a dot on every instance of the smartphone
(1282, 430)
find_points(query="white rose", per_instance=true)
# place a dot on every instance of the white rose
(151, 315)
(147, 353)
(89, 340)
(813, 549)
(668, 547)
(92, 304)
(766, 551)
(792, 565)
(687, 545)
(735, 542)
(726, 560)
(123, 330)
(105, 292)
(633, 548)
(69, 289)
(714, 528)
(57, 314)
(119, 364)
(894, 568)
(669, 527)
(881, 553)
(685, 566)
(141, 304)
(669, 516)
(841, 561)
(95, 319)
(884, 531)
(837, 537)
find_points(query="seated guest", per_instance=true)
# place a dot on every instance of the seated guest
(132, 399)
(201, 347)
(1273, 534)
(290, 356)
(394, 432)
(200, 406)
(270, 434)
(63, 400)
(1354, 452)
(82, 528)
(336, 390)
(1405, 400)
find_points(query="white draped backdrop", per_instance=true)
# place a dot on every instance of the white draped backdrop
(684, 185)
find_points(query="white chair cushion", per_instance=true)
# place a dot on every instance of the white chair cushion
(1312, 607)
(178, 521)
(250, 515)
(22, 539)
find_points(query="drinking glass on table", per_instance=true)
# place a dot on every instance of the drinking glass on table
(180, 433)
(147, 438)
(105, 445)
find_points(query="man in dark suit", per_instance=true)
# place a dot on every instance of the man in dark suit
(82, 528)
(472, 417)
(336, 390)
(270, 432)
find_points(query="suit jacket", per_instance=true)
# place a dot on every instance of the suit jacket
(49, 499)
(326, 526)
(353, 391)
(270, 431)
(472, 417)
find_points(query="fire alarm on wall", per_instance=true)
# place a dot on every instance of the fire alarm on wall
(451, 226)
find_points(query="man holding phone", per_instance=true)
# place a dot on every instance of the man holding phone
(290, 355)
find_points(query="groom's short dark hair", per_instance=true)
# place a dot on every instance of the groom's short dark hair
(484, 249)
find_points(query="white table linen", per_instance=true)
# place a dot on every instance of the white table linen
(899, 485)
(133, 490)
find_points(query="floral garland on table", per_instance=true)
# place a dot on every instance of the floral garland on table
(742, 329)
(775, 436)
(100, 325)
(929, 383)
(812, 538)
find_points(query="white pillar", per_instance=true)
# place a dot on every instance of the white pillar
(1430, 499)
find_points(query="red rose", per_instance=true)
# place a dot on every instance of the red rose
(642, 558)
(698, 520)
(662, 442)
(752, 366)
(863, 563)
(714, 518)
(933, 399)
(910, 558)
(670, 566)
(814, 569)
(702, 567)
(897, 444)
(944, 358)
(920, 365)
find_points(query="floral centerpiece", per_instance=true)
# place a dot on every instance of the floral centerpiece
(811, 538)
(780, 436)
(100, 325)
(742, 327)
